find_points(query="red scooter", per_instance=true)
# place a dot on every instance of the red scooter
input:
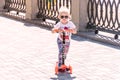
(63, 68)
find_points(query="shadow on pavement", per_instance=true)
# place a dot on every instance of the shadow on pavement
(100, 39)
(78, 38)
(63, 76)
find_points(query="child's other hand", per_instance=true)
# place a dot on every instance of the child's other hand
(74, 31)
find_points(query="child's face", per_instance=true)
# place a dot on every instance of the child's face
(64, 17)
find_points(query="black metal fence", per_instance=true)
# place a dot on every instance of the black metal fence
(104, 15)
(15, 5)
(48, 9)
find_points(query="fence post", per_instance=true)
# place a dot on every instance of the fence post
(79, 14)
(31, 9)
(2, 3)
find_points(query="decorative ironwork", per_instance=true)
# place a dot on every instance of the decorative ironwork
(48, 9)
(104, 15)
(16, 5)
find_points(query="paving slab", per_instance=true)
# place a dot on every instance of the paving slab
(29, 52)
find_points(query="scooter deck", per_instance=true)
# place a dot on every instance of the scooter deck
(62, 69)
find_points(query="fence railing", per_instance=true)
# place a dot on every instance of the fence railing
(104, 15)
(48, 9)
(16, 5)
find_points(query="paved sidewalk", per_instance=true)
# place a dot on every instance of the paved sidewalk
(28, 52)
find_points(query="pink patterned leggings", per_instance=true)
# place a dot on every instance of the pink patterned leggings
(60, 47)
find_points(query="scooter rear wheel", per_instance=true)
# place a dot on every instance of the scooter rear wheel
(70, 68)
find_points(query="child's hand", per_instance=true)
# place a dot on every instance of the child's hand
(74, 31)
(54, 30)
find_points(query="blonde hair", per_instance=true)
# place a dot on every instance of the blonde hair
(64, 9)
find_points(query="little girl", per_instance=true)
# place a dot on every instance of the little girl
(67, 26)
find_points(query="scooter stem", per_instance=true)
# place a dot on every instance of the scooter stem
(63, 55)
